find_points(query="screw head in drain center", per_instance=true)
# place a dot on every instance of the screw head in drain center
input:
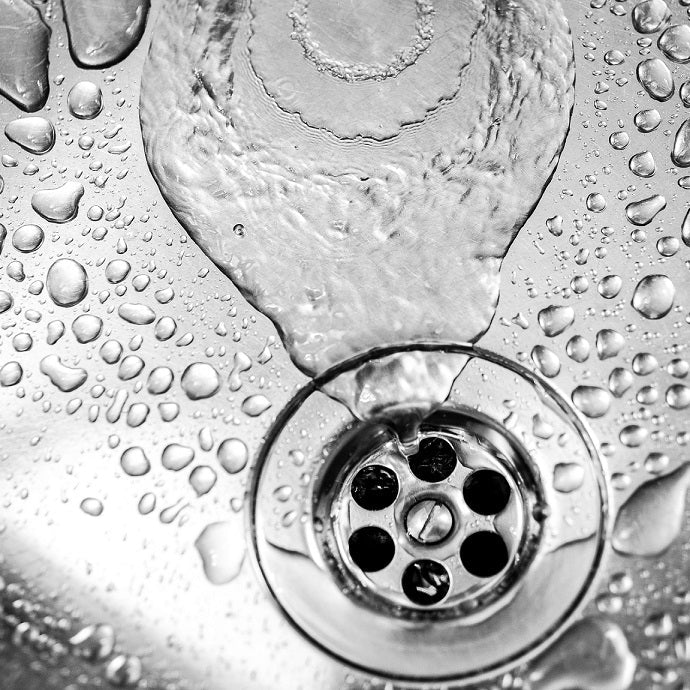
(429, 521)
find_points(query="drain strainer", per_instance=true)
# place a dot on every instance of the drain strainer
(412, 563)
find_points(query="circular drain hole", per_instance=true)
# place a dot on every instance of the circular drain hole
(425, 582)
(371, 548)
(434, 461)
(486, 492)
(375, 487)
(484, 554)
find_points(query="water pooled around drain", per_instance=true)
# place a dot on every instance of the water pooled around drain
(378, 180)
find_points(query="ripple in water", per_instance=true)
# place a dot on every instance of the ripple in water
(380, 179)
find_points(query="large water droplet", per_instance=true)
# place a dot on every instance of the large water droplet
(653, 296)
(58, 205)
(35, 134)
(221, 546)
(651, 519)
(67, 282)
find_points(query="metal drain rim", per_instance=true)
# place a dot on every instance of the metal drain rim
(545, 389)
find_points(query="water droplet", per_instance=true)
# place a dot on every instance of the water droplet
(124, 671)
(27, 238)
(147, 504)
(546, 361)
(59, 205)
(10, 374)
(255, 405)
(578, 348)
(656, 78)
(647, 120)
(102, 34)
(593, 653)
(176, 457)
(642, 164)
(610, 286)
(85, 100)
(651, 519)
(681, 146)
(678, 396)
(609, 343)
(138, 314)
(241, 363)
(202, 479)
(94, 642)
(61, 376)
(91, 506)
(221, 546)
(34, 134)
(654, 296)
(159, 381)
(568, 477)
(649, 16)
(591, 401)
(643, 212)
(232, 455)
(674, 43)
(199, 381)
(134, 461)
(555, 319)
(87, 327)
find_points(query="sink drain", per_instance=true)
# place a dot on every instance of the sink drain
(409, 562)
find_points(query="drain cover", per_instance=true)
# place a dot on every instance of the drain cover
(408, 562)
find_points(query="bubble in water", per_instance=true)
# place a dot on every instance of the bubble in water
(58, 205)
(176, 457)
(221, 546)
(24, 38)
(232, 455)
(656, 78)
(642, 164)
(85, 100)
(134, 461)
(654, 296)
(650, 520)
(27, 238)
(101, 32)
(591, 401)
(649, 16)
(553, 320)
(34, 134)
(568, 477)
(92, 506)
(67, 282)
(674, 43)
(593, 654)
(11, 374)
(200, 380)
(643, 212)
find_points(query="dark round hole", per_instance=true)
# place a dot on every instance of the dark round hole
(371, 548)
(486, 492)
(425, 582)
(375, 487)
(435, 460)
(484, 554)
